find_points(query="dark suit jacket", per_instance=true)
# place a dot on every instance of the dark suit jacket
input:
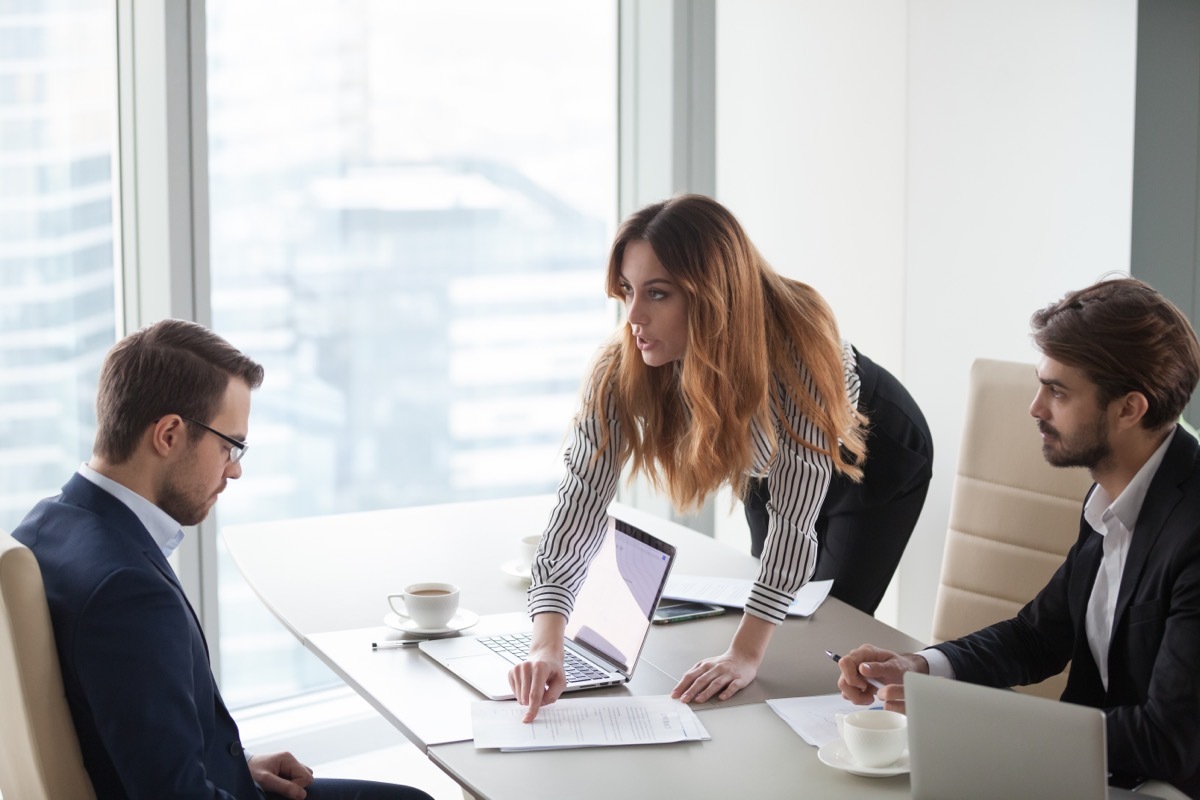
(150, 720)
(1153, 697)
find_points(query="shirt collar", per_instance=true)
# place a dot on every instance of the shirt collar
(164, 530)
(1128, 505)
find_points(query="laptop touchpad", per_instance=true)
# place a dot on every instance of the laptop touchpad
(480, 672)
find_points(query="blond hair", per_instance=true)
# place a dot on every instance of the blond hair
(752, 334)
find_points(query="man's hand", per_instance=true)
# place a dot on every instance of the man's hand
(868, 663)
(281, 773)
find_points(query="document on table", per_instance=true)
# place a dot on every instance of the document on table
(734, 591)
(595, 722)
(814, 718)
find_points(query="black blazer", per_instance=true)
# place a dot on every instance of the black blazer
(150, 720)
(1153, 697)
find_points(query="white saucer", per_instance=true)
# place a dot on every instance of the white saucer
(837, 756)
(462, 620)
(517, 569)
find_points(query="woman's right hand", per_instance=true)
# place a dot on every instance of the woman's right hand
(539, 680)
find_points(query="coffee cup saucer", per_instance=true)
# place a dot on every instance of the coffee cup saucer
(518, 569)
(837, 756)
(461, 620)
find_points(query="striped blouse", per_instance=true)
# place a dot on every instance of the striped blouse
(797, 480)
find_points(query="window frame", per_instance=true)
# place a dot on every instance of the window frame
(163, 211)
(667, 51)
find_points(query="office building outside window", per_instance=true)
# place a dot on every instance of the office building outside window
(58, 276)
(410, 205)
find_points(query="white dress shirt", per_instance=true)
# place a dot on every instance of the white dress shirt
(1115, 521)
(163, 529)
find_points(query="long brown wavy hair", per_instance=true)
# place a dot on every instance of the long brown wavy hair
(688, 424)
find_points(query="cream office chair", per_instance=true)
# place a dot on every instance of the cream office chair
(39, 752)
(1012, 517)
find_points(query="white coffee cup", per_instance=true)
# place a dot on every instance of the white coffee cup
(528, 548)
(430, 605)
(875, 738)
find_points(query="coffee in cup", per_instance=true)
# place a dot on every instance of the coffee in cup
(429, 605)
(875, 738)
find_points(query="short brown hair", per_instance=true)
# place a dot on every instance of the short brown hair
(1126, 337)
(170, 367)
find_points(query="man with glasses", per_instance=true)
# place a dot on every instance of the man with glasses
(172, 414)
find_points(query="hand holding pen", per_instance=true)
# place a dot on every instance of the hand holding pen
(886, 681)
(836, 659)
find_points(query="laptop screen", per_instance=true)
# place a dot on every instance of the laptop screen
(624, 583)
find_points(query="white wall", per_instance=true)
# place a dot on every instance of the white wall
(938, 169)
(1020, 179)
(811, 149)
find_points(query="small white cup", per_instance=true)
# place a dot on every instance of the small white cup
(430, 605)
(528, 548)
(875, 738)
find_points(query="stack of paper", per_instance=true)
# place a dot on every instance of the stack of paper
(734, 591)
(596, 722)
(814, 718)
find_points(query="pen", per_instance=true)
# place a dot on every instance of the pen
(836, 658)
(394, 643)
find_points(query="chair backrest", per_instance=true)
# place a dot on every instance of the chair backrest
(39, 751)
(1013, 517)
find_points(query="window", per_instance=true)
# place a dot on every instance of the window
(410, 210)
(57, 258)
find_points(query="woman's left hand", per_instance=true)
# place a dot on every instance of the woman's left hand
(727, 673)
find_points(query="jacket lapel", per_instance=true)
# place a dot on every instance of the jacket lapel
(85, 494)
(1161, 498)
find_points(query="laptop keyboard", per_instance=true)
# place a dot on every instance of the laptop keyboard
(515, 648)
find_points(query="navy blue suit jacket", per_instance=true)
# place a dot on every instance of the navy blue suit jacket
(1153, 697)
(150, 719)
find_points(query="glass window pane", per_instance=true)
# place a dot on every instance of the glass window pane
(411, 204)
(58, 276)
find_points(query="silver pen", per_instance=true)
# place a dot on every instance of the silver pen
(392, 644)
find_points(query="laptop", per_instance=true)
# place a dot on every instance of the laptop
(974, 741)
(608, 624)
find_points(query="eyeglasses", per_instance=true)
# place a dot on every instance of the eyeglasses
(236, 449)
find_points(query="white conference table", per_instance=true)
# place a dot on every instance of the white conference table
(327, 578)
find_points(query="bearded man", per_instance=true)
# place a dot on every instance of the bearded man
(173, 412)
(1119, 364)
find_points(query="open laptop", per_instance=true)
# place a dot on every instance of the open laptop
(608, 624)
(994, 744)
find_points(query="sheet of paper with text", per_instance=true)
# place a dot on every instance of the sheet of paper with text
(594, 722)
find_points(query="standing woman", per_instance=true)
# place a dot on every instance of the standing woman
(728, 372)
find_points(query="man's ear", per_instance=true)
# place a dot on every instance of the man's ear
(168, 434)
(1131, 408)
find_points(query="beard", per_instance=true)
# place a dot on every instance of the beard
(1088, 448)
(182, 500)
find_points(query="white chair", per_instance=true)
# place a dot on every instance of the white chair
(1013, 517)
(39, 751)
